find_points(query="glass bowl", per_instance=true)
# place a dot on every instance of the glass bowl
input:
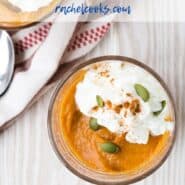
(78, 168)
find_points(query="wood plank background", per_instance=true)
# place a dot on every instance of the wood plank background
(26, 156)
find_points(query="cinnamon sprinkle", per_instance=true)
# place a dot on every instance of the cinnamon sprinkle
(112, 80)
(128, 94)
(126, 105)
(95, 66)
(95, 108)
(135, 107)
(121, 122)
(125, 114)
(105, 73)
(118, 108)
(108, 103)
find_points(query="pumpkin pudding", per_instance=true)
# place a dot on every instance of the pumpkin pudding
(19, 13)
(114, 117)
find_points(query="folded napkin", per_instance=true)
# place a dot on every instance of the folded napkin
(40, 51)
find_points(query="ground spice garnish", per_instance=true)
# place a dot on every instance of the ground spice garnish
(112, 80)
(105, 73)
(126, 105)
(129, 94)
(118, 108)
(135, 107)
(108, 104)
(121, 122)
(95, 66)
(125, 114)
(95, 108)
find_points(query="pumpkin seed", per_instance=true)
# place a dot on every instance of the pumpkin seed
(163, 104)
(142, 92)
(110, 147)
(93, 124)
(99, 101)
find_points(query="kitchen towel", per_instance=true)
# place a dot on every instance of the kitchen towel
(40, 51)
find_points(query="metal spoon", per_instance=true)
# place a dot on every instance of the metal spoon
(7, 61)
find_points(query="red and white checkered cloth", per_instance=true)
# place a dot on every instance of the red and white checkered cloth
(40, 50)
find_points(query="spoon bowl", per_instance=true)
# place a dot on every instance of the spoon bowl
(7, 61)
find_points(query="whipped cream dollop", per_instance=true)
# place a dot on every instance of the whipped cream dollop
(123, 110)
(29, 5)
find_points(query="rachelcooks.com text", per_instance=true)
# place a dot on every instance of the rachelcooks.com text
(102, 9)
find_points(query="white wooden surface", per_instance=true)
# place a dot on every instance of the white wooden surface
(26, 156)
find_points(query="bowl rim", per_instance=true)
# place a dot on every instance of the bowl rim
(67, 75)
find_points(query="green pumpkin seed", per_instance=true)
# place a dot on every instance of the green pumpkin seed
(93, 124)
(99, 101)
(163, 104)
(142, 92)
(110, 147)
